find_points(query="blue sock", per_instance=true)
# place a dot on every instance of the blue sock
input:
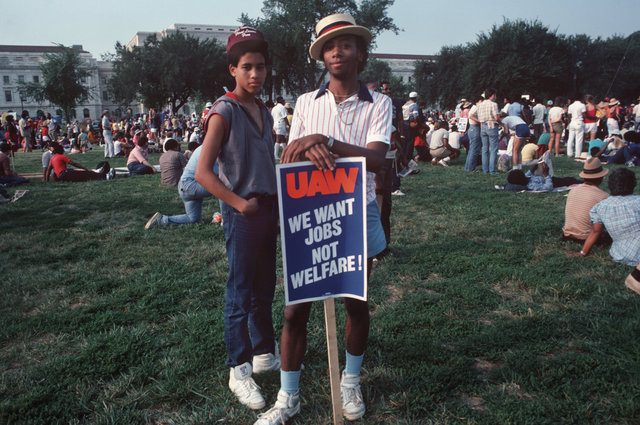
(354, 363)
(290, 381)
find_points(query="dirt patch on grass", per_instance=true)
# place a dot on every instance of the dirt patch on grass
(512, 389)
(485, 367)
(395, 294)
(511, 289)
(433, 277)
(474, 403)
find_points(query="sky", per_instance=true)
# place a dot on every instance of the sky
(426, 25)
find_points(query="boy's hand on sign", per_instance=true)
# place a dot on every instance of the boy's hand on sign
(251, 207)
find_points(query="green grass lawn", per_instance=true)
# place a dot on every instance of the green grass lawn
(478, 318)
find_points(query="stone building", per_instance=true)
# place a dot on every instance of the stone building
(22, 64)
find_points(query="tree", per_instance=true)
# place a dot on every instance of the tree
(440, 83)
(169, 71)
(62, 75)
(294, 70)
(378, 70)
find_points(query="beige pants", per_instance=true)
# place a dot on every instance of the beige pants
(440, 152)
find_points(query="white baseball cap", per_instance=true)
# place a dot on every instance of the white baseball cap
(413, 94)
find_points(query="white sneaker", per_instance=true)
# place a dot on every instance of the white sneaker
(412, 165)
(352, 403)
(397, 192)
(154, 221)
(266, 362)
(630, 164)
(244, 387)
(286, 407)
(443, 163)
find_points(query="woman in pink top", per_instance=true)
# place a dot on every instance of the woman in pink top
(138, 159)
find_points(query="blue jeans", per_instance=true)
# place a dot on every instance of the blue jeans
(489, 138)
(475, 144)
(136, 168)
(192, 194)
(251, 250)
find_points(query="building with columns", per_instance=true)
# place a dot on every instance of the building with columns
(20, 64)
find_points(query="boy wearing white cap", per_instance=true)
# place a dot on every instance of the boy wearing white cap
(345, 119)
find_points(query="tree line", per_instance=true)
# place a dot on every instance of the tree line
(526, 57)
(517, 57)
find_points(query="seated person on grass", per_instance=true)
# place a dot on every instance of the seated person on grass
(619, 214)
(577, 221)
(58, 164)
(172, 161)
(420, 142)
(439, 147)
(138, 162)
(455, 140)
(8, 177)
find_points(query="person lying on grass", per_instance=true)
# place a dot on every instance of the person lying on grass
(59, 162)
(619, 214)
(517, 180)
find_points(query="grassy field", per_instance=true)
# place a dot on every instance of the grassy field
(478, 318)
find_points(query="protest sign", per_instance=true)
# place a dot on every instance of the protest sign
(462, 124)
(323, 230)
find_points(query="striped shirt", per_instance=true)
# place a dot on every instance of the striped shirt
(581, 199)
(621, 217)
(361, 119)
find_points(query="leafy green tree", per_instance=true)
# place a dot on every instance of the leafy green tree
(441, 83)
(294, 70)
(62, 75)
(379, 70)
(611, 68)
(169, 71)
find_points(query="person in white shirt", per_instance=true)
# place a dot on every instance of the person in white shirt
(576, 113)
(636, 113)
(439, 147)
(279, 114)
(342, 118)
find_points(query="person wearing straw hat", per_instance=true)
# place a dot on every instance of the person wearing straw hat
(345, 119)
(581, 199)
(613, 115)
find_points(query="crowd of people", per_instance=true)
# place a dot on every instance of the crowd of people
(232, 149)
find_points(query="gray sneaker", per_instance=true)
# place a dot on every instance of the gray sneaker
(244, 387)
(286, 407)
(154, 221)
(352, 402)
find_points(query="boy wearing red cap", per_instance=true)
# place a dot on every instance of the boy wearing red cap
(238, 136)
(345, 119)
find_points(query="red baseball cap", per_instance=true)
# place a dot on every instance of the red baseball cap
(246, 34)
